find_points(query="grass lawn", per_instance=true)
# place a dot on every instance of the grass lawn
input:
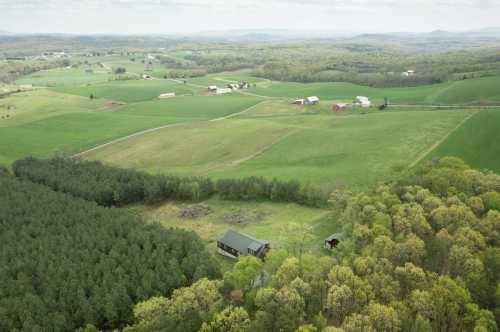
(284, 225)
(476, 141)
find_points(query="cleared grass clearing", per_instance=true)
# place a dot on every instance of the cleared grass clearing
(476, 142)
(130, 91)
(284, 225)
(199, 148)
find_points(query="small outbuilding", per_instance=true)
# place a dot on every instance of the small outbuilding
(221, 91)
(339, 107)
(363, 101)
(311, 100)
(333, 240)
(167, 95)
(298, 102)
(212, 88)
(234, 244)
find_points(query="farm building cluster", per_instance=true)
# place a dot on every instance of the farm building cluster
(228, 88)
(313, 100)
(234, 244)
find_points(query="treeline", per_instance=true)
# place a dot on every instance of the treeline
(111, 186)
(12, 70)
(420, 254)
(66, 262)
(295, 72)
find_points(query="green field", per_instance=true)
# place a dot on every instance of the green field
(45, 122)
(355, 150)
(65, 77)
(129, 91)
(274, 138)
(476, 142)
(482, 90)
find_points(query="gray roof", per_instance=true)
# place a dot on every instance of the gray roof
(336, 236)
(241, 242)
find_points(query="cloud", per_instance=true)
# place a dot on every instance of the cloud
(193, 15)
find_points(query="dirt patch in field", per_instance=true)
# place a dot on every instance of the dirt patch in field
(243, 217)
(111, 105)
(194, 211)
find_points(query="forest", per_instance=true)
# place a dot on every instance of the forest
(66, 262)
(110, 186)
(420, 254)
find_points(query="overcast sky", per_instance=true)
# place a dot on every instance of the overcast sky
(190, 16)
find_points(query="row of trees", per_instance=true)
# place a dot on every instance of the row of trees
(66, 262)
(113, 186)
(414, 258)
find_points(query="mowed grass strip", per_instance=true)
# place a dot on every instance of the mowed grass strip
(476, 141)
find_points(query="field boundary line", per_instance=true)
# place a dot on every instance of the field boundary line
(117, 140)
(146, 131)
(439, 142)
(239, 113)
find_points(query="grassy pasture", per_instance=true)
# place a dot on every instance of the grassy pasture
(65, 77)
(45, 122)
(458, 92)
(476, 141)
(354, 150)
(129, 91)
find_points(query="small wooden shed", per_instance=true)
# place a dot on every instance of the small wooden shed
(333, 240)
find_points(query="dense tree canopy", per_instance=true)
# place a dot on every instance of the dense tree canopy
(109, 186)
(66, 262)
(419, 254)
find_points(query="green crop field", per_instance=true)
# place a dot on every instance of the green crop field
(476, 141)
